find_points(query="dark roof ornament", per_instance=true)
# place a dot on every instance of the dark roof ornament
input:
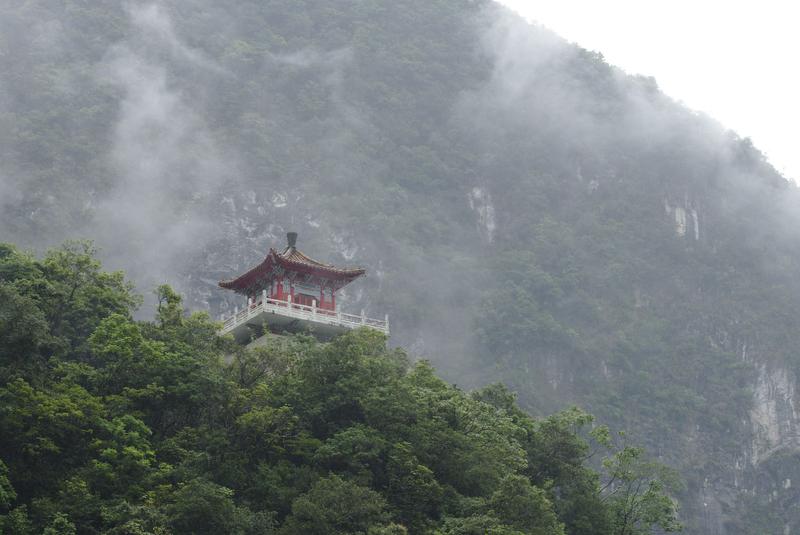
(291, 239)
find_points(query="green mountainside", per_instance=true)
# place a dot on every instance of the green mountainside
(114, 426)
(527, 213)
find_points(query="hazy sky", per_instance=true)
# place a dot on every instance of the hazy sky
(735, 60)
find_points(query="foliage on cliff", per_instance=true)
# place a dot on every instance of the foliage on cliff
(580, 236)
(109, 425)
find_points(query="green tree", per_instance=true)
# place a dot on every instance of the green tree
(200, 506)
(476, 525)
(16, 522)
(24, 335)
(124, 457)
(525, 507)
(7, 493)
(412, 489)
(60, 526)
(336, 506)
(636, 492)
(358, 450)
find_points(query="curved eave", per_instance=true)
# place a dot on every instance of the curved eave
(308, 266)
(246, 279)
(322, 271)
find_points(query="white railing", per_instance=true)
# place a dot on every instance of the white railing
(302, 312)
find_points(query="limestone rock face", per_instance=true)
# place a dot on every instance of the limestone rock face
(773, 416)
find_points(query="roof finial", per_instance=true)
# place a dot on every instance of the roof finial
(291, 238)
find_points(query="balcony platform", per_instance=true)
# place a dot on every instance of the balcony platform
(284, 316)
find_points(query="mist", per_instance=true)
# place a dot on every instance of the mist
(167, 168)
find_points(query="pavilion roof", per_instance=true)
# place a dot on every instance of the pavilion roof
(291, 260)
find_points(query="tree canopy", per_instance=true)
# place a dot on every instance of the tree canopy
(111, 425)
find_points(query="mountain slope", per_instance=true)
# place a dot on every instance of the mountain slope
(526, 212)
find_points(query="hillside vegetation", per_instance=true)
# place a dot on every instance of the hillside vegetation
(110, 425)
(527, 213)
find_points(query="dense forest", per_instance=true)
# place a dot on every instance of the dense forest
(527, 213)
(109, 425)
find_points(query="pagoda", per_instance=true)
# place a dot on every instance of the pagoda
(289, 291)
